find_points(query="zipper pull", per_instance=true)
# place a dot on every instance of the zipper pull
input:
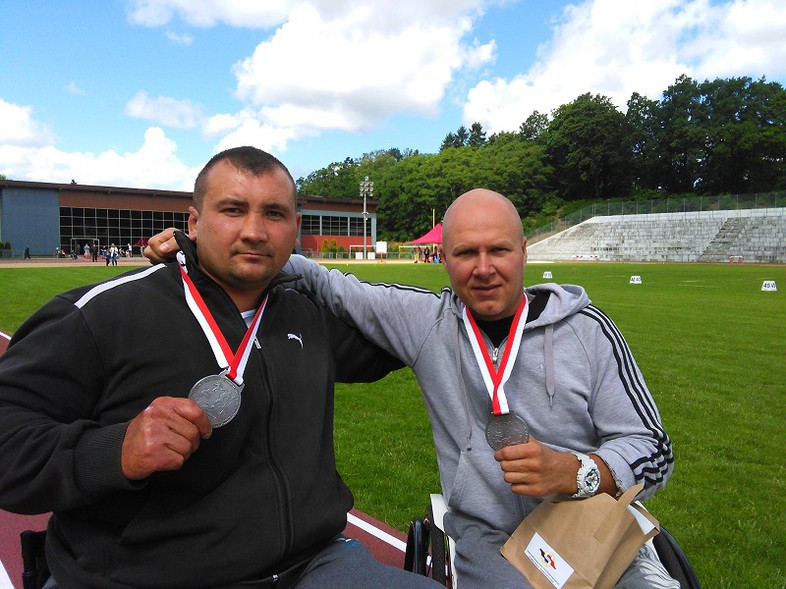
(495, 357)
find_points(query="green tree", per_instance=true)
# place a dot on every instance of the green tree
(745, 128)
(477, 136)
(715, 137)
(587, 142)
(377, 164)
(338, 180)
(681, 139)
(533, 128)
(424, 185)
(642, 121)
(449, 141)
(517, 168)
(458, 139)
(406, 199)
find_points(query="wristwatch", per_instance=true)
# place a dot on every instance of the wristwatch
(588, 477)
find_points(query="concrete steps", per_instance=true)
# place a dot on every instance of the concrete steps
(757, 235)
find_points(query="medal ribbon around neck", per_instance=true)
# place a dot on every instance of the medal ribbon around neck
(495, 378)
(226, 359)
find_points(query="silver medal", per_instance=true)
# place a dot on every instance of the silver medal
(507, 429)
(218, 396)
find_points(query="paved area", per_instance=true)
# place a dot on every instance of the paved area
(58, 262)
(139, 261)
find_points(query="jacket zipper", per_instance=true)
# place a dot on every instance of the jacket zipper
(278, 474)
(279, 479)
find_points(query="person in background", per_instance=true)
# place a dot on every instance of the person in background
(212, 465)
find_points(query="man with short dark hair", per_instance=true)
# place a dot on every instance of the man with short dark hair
(211, 465)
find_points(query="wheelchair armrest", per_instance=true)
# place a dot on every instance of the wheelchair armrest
(438, 510)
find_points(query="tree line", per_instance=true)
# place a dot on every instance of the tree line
(722, 136)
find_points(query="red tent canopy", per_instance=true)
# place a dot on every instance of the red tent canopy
(433, 236)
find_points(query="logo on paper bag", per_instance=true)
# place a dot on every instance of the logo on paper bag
(548, 561)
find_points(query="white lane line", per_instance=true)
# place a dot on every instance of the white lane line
(376, 532)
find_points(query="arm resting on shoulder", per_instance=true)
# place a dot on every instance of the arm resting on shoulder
(393, 316)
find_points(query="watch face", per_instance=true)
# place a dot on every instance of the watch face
(587, 478)
(592, 480)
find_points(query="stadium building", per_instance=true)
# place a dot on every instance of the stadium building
(50, 218)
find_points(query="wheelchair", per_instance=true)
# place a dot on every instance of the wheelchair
(430, 551)
(35, 571)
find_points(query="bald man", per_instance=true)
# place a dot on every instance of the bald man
(571, 416)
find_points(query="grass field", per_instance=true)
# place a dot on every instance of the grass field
(711, 345)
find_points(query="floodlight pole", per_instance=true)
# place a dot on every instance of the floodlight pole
(366, 190)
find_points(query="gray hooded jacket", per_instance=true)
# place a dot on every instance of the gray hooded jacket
(574, 382)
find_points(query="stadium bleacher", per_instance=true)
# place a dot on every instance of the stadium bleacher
(748, 235)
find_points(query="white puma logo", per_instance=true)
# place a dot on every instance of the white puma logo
(297, 337)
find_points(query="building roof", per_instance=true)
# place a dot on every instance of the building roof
(319, 202)
(94, 189)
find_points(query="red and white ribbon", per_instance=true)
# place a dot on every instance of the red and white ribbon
(496, 377)
(226, 359)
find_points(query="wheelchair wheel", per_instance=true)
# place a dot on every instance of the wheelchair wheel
(417, 545)
(424, 537)
(438, 549)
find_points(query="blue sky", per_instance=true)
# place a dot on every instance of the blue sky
(142, 92)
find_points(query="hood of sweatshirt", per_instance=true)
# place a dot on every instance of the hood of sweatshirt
(564, 300)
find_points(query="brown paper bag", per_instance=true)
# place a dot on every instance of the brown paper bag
(581, 543)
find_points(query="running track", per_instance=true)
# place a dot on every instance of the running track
(385, 542)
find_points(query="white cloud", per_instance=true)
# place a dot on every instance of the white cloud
(72, 88)
(19, 128)
(247, 128)
(616, 47)
(265, 14)
(354, 71)
(154, 165)
(184, 39)
(221, 124)
(326, 65)
(251, 132)
(180, 114)
(745, 37)
(330, 64)
(206, 13)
